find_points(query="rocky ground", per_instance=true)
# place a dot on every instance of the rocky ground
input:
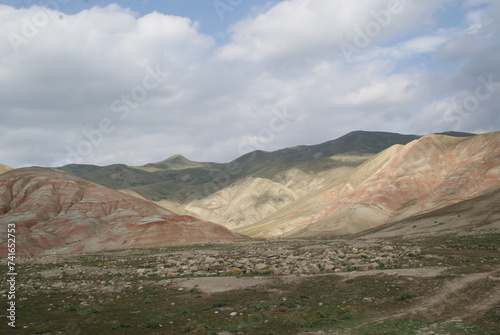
(446, 285)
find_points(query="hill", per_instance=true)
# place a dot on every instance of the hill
(56, 212)
(403, 181)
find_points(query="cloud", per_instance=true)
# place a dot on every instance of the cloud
(113, 86)
(67, 75)
(292, 28)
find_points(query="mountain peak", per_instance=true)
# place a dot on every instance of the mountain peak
(177, 157)
(178, 162)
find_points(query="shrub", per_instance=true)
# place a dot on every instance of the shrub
(219, 303)
(151, 325)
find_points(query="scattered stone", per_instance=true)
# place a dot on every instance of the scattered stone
(58, 285)
(368, 300)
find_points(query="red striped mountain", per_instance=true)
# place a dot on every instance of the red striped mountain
(57, 212)
(403, 181)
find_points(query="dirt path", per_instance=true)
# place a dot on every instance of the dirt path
(437, 303)
(416, 272)
(223, 284)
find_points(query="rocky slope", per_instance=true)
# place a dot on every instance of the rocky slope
(56, 212)
(403, 181)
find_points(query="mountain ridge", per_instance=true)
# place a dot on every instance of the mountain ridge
(434, 171)
(256, 191)
(166, 180)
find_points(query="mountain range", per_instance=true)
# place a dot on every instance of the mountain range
(361, 180)
(362, 183)
(427, 174)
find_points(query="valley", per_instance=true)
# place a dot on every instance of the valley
(372, 233)
(357, 182)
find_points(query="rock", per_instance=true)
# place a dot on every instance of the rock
(362, 267)
(172, 262)
(384, 261)
(260, 267)
(314, 268)
(277, 271)
(368, 300)
(209, 260)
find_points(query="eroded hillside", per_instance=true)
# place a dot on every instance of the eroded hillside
(54, 210)
(430, 173)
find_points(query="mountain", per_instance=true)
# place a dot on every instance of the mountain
(253, 186)
(56, 212)
(277, 179)
(182, 182)
(164, 180)
(427, 174)
(4, 168)
(178, 162)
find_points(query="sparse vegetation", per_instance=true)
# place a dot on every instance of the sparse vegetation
(151, 325)
(90, 297)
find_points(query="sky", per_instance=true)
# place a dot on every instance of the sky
(135, 82)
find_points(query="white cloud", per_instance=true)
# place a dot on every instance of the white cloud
(292, 28)
(219, 100)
